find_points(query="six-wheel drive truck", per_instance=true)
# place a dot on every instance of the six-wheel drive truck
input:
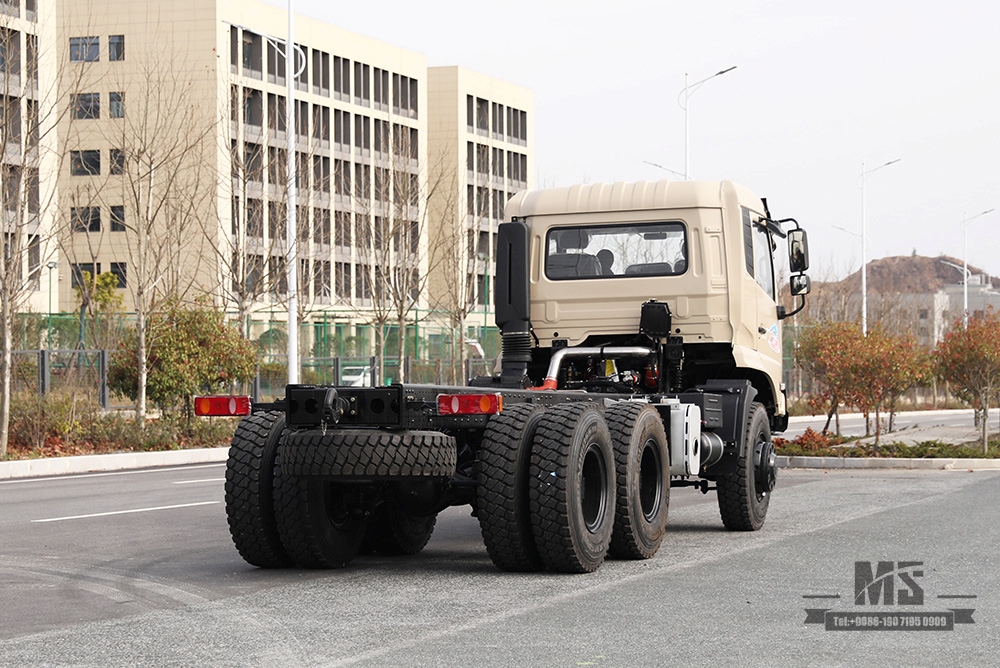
(641, 350)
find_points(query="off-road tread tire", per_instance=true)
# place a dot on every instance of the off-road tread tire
(561, 543)
(502, 503)
(369, 454)
(635, 537)
(249, 490)
(304, 525)
(739, 506)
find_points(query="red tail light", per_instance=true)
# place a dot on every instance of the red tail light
(469, 404)
(221, 405)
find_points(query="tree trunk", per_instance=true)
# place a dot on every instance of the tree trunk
(6, 364)
(401, 348)
(140, 335)
(985, 423)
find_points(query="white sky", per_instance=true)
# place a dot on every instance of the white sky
(819, 89)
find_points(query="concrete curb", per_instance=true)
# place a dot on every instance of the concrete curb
(930, 464)
(31, 468)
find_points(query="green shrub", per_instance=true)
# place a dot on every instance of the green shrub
(35, 419)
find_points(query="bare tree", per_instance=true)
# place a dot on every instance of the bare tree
(158, 176)
(255, 181)
(454, 253)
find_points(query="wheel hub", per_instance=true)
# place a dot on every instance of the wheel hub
(765, 467)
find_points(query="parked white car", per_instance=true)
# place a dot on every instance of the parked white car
(356, 376)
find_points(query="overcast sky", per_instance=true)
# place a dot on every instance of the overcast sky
(819, 89)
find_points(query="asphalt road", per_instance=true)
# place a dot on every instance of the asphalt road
(136, 568)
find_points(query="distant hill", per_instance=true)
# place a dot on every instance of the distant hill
(908, 274)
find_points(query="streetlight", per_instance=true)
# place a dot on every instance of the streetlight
(965, 265)
(687, 93)
(52, 267)
(864, 232)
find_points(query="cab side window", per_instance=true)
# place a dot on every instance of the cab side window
(757, 247)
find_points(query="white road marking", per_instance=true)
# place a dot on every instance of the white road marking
(195, 482)
(125, 512)
(77, 476)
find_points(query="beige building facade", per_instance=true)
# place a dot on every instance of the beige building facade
(174, 126)
(481, 152)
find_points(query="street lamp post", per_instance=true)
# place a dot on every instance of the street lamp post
(291, 233)
(687, 93)
(52, 267)
(965, 264)
(864, 234)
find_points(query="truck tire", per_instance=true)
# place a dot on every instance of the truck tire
(249, 490)
(572, 493)
(502, 503)
(745, 494)
(642, 471)
(317, 526)
(370, 454)
(393, 531)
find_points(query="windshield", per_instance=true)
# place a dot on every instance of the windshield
(614, 251)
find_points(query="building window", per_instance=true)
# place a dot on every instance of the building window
(120, 270)
(84, 49)
(362, 84)
(482, 116)
(341, 78)
(116, 158)
(10, 51)
(252, 55)
(404, 100)
(86, 218)
(116, 105)
(117, 218)
(343, 280)
(342, 229)
(321, 73)
(85, 163)
(77, 271)
(116, 51)
(275, 64)
(34, 262)
(381, 89)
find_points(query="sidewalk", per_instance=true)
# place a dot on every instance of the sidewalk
(52, 466)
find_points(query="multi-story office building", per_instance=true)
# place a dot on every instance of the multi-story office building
(480, 148)
(175, 133)
(28, 162)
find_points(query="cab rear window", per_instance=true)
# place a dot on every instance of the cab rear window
(616, 251)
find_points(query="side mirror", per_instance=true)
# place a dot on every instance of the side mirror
(799, 285)
(798, 252)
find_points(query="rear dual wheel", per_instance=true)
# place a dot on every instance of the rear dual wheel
(642, 468)
(250, 477)
(572, 488)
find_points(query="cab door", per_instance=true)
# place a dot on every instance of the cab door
(760, 249)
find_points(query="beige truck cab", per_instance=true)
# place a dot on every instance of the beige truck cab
(596, 253)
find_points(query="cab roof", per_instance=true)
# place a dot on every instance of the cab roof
(637, 196)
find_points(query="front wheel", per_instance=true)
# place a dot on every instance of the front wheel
(745, 494)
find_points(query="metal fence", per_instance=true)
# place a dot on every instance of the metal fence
(45, 371)
(272, 373)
